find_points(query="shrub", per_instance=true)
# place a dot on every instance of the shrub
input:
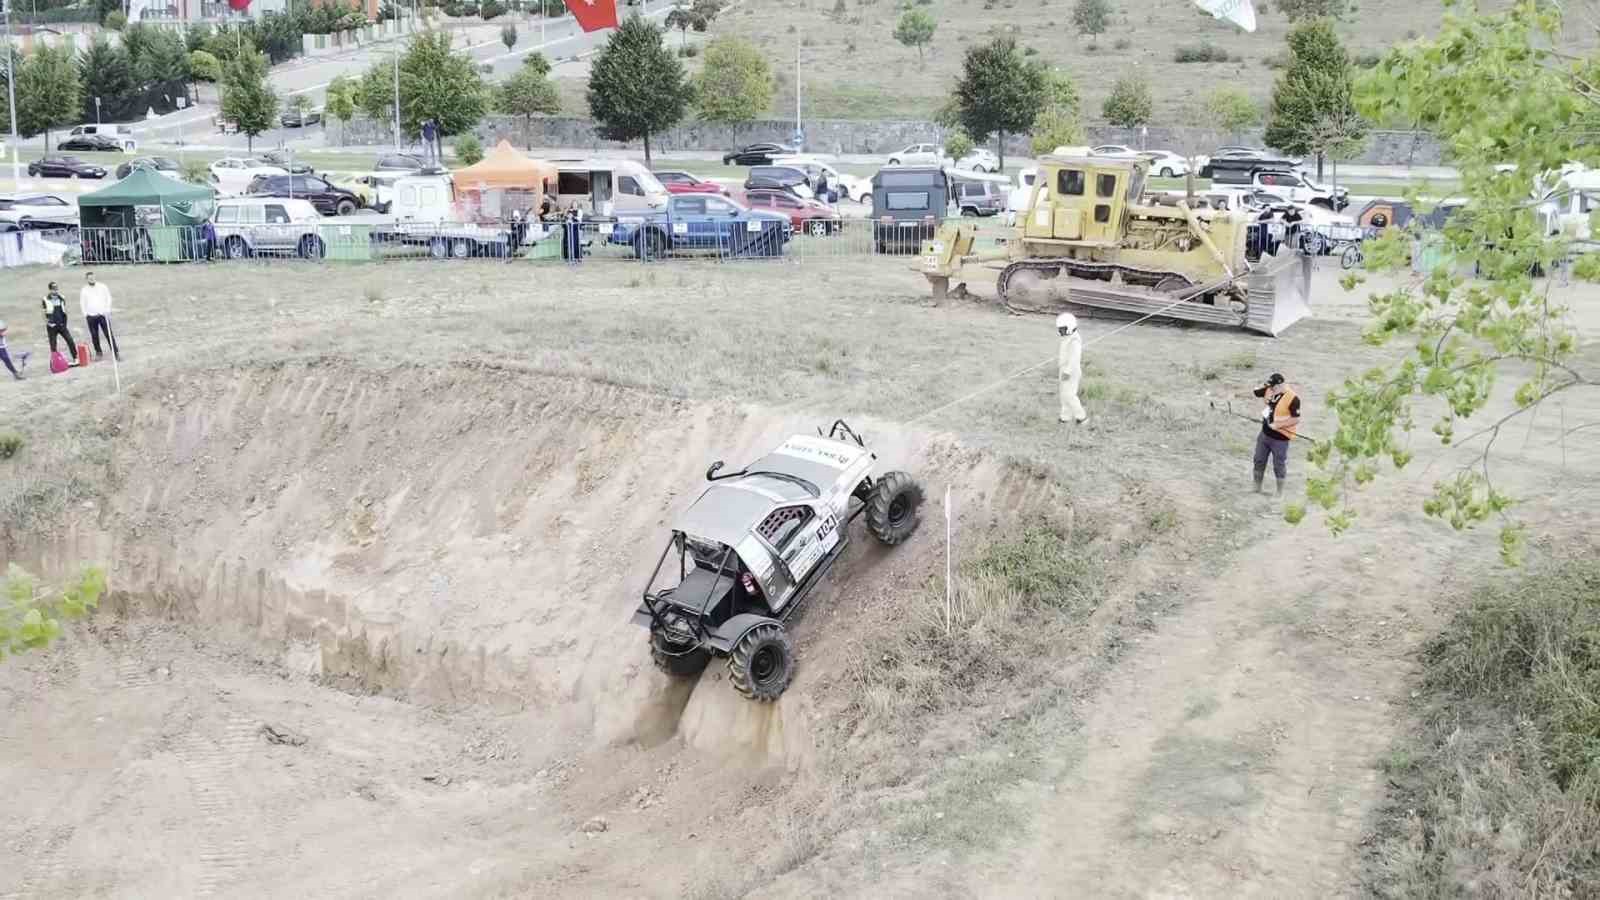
(1201, 53)
(1123, 44)
(204, 67)
(468, 150)
(115, 21)
(1031, 51)
(1367, 60)
(689, 51)
(1275, 60)
(10, 444)
(490, 10)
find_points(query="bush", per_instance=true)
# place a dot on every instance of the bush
(468, 150)
(1123, 44)
(115, 21)
(1276, 60)
(957, 144)
(689, 51)
(10, 443)
(1200, 53)
(490, 10)
(204, 67)
(1030, 51)
(1499, 795)
(1367, 60)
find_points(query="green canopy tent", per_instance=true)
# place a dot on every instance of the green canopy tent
(146, 215)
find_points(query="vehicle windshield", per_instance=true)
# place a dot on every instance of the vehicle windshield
(650, 183)
(807, 486)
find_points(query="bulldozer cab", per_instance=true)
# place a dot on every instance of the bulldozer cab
(1083, 200)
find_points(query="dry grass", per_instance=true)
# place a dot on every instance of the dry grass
(1501, 795)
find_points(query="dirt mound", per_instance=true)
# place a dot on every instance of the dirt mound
(451, 536)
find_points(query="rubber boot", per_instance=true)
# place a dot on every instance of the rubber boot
(1258, 481)
(1280, 487)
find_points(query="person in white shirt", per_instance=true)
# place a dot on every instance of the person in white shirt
(94, 301)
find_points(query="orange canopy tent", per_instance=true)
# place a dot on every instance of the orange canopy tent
(504, 181)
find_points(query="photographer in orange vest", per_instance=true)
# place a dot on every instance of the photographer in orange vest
(1279, 419)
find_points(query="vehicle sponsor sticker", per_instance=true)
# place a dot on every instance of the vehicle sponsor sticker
(753, 225)
(822, 450)
(603, 227)
(680, 227)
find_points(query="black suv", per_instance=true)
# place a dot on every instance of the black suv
(776, 178)
(754, 154)
(329, 199)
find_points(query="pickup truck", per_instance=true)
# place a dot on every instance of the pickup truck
(703, 222)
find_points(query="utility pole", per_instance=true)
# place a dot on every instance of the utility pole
(397, 99)
(797, 131)
(11, 92)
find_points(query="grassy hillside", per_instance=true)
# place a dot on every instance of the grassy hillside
(853, 68)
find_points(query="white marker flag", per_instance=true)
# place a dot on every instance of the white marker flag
(1240, 12)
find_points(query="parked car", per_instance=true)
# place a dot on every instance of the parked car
(849, 187)
(285, 162)
(754, 154)
(64, 167)
(792, 179)
(1116, 151)
(400, 162)
(247, 226)
(122, 134)
(329, 199)
(1235, 151)
(162, 164)
(233, 174)
(1298, 187)
(808, 216)
(908, 203)
(38, 211)
(376, 189)
(299, 118)
(921, 155)
(704, 222)
(980, 159)
(1167, 164)
(677, 182)
(93, 143)
(979, 197)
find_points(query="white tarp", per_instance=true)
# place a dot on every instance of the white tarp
(1240, 12)
(30, 248)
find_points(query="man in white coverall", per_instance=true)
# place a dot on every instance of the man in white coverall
(1071, 367)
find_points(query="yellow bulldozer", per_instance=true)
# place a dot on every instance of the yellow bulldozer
(1089, 239)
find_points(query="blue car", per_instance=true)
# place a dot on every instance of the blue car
(704, 222)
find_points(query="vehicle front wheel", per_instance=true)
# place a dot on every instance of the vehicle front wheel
(346, 208)
(969, 211)
(236, 248)
(675, 658)
(892, 508)
(980, 170)
(817, 227)
(439, 248)
(461, 248)
(312, 247)
(1166, 172)
(762, 663)
(893, 161)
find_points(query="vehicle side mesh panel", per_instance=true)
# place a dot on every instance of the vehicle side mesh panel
(775, 522)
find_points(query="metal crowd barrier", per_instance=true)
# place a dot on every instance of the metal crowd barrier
(368, 240)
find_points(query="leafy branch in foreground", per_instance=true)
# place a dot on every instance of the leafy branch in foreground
(1514, 114)
(31, 614)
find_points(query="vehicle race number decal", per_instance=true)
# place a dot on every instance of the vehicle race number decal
(752, 225)
(680, 227)
(817, 544)
(822, 450)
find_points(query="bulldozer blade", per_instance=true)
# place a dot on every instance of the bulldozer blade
(1280, 294)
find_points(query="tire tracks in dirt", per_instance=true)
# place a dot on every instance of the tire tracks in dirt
(211, 767)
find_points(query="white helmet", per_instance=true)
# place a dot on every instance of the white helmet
(1067, 322)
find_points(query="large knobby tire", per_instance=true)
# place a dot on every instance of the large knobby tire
(677, 659)
(892, 507)
(762, 663)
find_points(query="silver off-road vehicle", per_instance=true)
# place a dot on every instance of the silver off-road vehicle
(752, 547)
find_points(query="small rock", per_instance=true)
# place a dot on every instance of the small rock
(595, 825)
(541, 773)
(277, 734)
(440, 780)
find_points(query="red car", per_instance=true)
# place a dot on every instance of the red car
(684, 183)
(807, 216)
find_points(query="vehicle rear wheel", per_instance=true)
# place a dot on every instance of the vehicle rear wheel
(892, 508)
(236, 248)
(675, 658)
(893, 161)
(1166, 172)
(969, 211)
(346, 207)
(312, 247)
(817, 227)
(439, 248)
(461, 248)
(980, 170)
(762, 663)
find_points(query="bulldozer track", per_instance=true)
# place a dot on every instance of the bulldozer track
(1083, 293)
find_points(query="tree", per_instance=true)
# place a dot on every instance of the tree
(374, 93)
(1338, 135)
(684, 18)
(735, 85)
(1497, 93)
(537, 62)
(1055, 127)
(915, 29)
(636, 87)
(31, 614)
(439, 85)
(247, 97)
(468, 150)
(49, 92)
(528, 93)
(1129, 104)
(1092, 17)
(508, 35)
(957, 144)
(1304, 10)
(204, 67)
(106, 73)
(999, 92)
(340, 103)
(1315, 85)
(1232, 110)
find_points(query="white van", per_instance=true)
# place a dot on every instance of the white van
(122, 133)
(606, 188)
(247, 226)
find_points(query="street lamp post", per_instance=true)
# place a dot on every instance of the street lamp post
(397, 99)
(97, 110)
(11, 92)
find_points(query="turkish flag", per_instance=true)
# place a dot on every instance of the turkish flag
(238, 5)
(593, 15)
